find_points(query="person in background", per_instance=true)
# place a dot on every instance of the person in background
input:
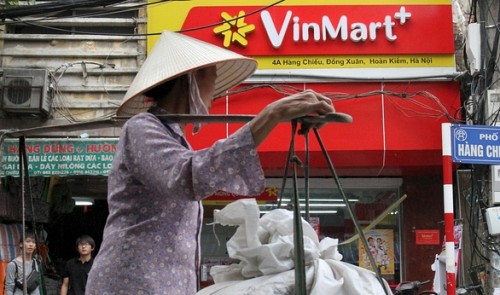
(156, 183)
(77, 269)
(15, 270)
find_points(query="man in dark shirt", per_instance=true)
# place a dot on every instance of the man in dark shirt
(77, 269)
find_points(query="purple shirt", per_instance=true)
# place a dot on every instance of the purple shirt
(151, 237)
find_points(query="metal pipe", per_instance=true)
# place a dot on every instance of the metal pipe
(300, 276)
(351, 212)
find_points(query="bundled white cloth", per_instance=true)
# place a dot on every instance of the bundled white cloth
(265, 249)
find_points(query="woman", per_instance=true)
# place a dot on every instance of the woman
(156, 183)
(15, 271)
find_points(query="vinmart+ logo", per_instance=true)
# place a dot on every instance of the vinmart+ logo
(234, 29)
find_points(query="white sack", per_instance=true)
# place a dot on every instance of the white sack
(265, 249)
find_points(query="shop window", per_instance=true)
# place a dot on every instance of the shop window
(327, 212)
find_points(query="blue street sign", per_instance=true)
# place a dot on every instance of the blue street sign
(475, 144)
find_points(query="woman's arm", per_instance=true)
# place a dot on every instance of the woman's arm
(160, 162)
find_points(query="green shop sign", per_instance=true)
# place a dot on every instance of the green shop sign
(63, 157)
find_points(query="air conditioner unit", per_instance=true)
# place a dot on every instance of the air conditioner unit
(26, 91)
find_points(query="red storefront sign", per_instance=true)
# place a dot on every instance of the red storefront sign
(329, 35)
(427, 237)
(327, 29)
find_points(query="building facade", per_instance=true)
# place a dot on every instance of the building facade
(395, 67)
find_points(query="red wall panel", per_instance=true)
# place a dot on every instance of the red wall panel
(396, 127)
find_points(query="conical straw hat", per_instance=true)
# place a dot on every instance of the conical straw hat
(176, 54)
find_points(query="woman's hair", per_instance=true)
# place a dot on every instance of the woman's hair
(161, 90)
(27, 235)
(85, 239)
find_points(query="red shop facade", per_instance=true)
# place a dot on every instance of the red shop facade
(390, 66)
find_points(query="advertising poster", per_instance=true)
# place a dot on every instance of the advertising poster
(381, 243)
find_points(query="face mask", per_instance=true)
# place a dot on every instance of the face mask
(196, 104)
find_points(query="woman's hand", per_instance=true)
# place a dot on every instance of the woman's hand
(301, 104)
(288, 108)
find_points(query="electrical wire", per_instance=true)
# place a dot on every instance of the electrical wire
(425, 104)
(482, 244)
(28, 10)
(97, 13)
(148, 34)
(62, 108)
